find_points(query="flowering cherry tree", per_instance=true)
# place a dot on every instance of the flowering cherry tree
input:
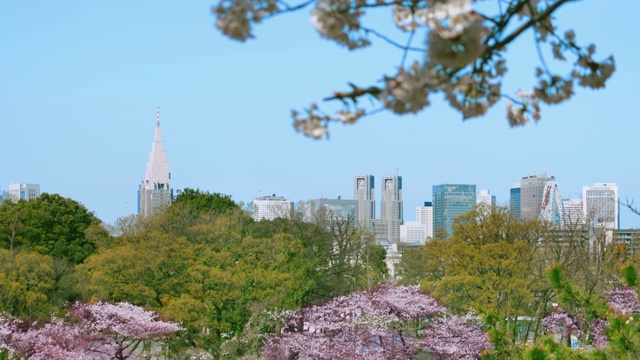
(623, 300)
(124, 326)
(368, 325)
(456, 337)
(102, 331)
(463, 57)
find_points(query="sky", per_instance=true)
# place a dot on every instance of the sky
(80, 82)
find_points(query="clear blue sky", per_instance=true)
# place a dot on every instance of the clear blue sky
(80, 82)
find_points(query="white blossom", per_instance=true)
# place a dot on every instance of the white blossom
(457, 52)
(339, 20)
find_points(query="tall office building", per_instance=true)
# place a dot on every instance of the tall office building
(424, 216)
(391, 205)
(20, 191)
(514, 202)
(363, 193)
(601, 206)
(155, 192)
(540, 199)
(573, 213)
(449, 201)
(331, 209)
(271, 207)
(484, 197)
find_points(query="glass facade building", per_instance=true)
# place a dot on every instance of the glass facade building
(450, 201)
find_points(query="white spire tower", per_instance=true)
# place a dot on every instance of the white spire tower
(155, 191)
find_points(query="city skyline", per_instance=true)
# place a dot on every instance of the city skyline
(78, 106)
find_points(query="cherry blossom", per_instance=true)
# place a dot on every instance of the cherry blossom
(560, 323)
(463, 57)
(455, 337)
(623, 300)
(360, 324)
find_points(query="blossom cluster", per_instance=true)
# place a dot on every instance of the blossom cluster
(560, 323)
(623, 300)
(102, 331)
(456, 337)
(462, 56)
(367, 325)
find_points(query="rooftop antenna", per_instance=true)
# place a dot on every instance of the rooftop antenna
(158, 116)
(534, 172)
(396, 171)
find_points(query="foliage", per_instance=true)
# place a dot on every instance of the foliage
(203, 201)
(50, 225)
(463, 57)
(34, 286)
(485, 265)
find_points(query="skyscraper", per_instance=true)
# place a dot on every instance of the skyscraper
(424, 215)
(540, 199)
(155, 191)
(601, 206)
(484, 197)
(363, 193)
(514, 202)
(391, 205)
(449, 201)
(573, 213)
(20, 191)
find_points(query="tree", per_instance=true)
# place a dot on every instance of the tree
(101, 331)
(464, 56)
(365, 323)
(50, 225)
(456, 337)
(203, 201)
(34, 286)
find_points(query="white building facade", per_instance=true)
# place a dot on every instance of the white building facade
(20, 191)
(424, 216)
(391, 205)
(271, 207)
(363, 194)
(601, 205)
(413, 232)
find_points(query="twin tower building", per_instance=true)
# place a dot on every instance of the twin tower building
(387, 228)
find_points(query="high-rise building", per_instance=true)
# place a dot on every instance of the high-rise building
(391, 205)
(424, 216)
(514, 202)
(449, 201)
(540, 199)
(573, 213)
(413, 232)
(339, 209)
(484, 197)
(20, 191)
(271, 207)
(363, 193)
(155, 192)
(601, 206)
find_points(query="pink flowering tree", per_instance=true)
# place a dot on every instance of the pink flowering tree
(459, 48)
(52, 341)
(623, 300)
(124, 325)
(375, 325)
(100, 331)
(455, 337)
(561, 324)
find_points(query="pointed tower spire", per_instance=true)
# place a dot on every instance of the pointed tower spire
(155, 190)
(158, 116)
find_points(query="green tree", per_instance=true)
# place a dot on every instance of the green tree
(203, 201)
(50, 225)
(34, 286)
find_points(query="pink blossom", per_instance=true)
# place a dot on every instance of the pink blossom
(623, 300)
(454, 337)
